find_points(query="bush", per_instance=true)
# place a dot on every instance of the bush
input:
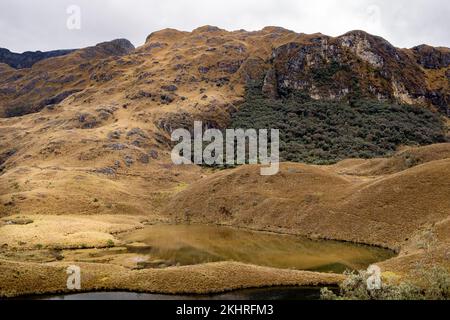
(435, 285)
(323, 132)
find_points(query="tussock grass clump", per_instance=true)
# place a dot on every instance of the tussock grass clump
(434, 284)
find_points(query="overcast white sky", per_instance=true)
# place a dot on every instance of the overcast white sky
(41, 24)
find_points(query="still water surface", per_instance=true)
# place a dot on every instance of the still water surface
(276, 293)
(196, 244)
(168, 245)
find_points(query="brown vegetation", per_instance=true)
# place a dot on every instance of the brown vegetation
(85, 153)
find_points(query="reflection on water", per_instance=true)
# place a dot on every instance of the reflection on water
(276, 293)
(166, 245)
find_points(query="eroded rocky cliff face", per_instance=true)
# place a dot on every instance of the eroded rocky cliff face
(28, 59)
(358, 65)
(51, 80)
(175, 67)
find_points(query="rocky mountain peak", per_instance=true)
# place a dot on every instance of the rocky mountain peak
(28, 58)
(207, 29)
(118, 47)
(212, 66)
(431, 57)
(164, 35)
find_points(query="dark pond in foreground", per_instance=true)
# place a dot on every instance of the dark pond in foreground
(276, 293)
(167, 245)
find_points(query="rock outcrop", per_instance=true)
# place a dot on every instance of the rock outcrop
(52, 80)
(28, 58)
(358, 65)
(173, 65)
(432, 58)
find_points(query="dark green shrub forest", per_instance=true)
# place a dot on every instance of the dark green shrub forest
(323, 132)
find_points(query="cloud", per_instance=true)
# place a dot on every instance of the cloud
(41, 24)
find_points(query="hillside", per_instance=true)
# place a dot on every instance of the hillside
(328, 201)
(103, 114)
(323, 132)
(396, 202)
(28, 59)
(85, 141)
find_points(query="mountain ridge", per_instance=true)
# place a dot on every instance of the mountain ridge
(85, 148)
(323, 67)
(28, 58)
(106, 112)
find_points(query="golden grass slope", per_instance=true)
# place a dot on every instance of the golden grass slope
(65, 232)
(405, 158)
(321, 202)
(198, 279)
(103, 152)
(84, 154)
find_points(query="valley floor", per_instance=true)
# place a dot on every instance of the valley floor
(393, 203)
